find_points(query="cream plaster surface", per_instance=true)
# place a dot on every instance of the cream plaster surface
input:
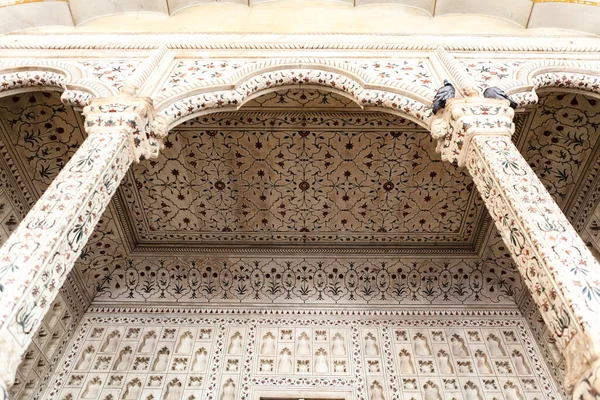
(566, 16)
(293, 16)
(516, 11)
(35, 15)
(85, 10)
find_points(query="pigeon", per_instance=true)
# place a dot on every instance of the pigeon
(444, 93)
(495, 93)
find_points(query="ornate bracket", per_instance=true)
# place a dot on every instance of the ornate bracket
(134, 115)
(462, 118)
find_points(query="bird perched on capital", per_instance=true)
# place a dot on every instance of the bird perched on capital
(497, 93)
(444, 93)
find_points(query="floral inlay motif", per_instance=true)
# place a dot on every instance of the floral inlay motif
(295, 280)
(302, 98)
(113, 73)
(55, 230)
(26, 79)
(491, 73)
(190, 74)
(44, 134)
(563, 137)
(551, 256)
(202, 72)
(295, 175)
(416, 72)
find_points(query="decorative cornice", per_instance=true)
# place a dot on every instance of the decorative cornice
(454, 250)
(141, 74)
(436, 311)
(300, 41)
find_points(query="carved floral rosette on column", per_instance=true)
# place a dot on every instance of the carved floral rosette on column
(35, 260)
(560, 272)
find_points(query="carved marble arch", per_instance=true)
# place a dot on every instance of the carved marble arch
(405, 100)
(543, 76)
(54, 75)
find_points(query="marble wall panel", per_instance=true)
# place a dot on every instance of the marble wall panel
(228, 357)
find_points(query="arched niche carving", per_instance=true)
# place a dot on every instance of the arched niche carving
(400, 101)
(53, 75)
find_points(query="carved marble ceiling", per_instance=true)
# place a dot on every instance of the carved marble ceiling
(300, 197)
(308, 175)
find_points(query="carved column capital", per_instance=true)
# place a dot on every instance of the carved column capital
(465, 118)
(134, 115)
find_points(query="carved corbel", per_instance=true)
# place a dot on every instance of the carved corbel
(134, 115)
(462, 119)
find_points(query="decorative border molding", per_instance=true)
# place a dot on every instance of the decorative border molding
(262, 67)
(54, 74)
(458, 73)
(275, 41)
(404, 104)
(143, 248)
(433, 312)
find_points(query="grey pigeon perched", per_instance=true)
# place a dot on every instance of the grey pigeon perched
(495, 93)
(444, 93)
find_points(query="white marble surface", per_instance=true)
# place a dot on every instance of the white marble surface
(577, 17)
(85, 10)
(34, 15)
(516, 11)
(302, 16)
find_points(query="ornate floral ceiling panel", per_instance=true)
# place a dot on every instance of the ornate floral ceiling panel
(561, 142)
(48, 134)
(301, 177)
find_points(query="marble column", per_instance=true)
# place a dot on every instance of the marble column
(560, 272)
(35, 260)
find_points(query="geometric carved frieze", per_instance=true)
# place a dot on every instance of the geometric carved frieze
(46, 348)
(233, 356)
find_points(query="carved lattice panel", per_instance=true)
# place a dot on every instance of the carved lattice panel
(128, 362)
(421, 357)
